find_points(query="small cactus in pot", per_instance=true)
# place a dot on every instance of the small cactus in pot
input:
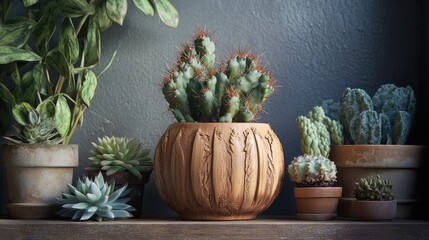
(373, 188)
(312, 171)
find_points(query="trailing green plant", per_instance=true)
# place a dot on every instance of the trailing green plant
(118, 154)
(373, 188)
(316, 131)
(196, 90)
(36, 66)
(312, 171)
(95, 199)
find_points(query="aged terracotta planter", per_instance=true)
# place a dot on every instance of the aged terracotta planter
(137, 187)
(37, 175)
(316, 203)
(399, 163)
(218, 171)
(373, 210)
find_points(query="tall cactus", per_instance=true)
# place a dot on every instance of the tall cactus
(196, 90)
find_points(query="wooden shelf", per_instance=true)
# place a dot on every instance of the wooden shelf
(273, 228)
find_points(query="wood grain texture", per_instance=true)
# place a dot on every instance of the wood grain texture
(219, 171)
(176, 229)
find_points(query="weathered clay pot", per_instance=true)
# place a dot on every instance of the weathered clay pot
(398, 163)
(37, 175)
(219, 171)
(137, 187)
(373, 210)
(316, 203)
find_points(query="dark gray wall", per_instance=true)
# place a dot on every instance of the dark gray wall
(315, 49)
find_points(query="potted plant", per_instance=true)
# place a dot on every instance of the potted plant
(313, 173)
(375, 132)
(125, 161)
(374, 199)
(214, 164)
(49, 83)
(95, 199)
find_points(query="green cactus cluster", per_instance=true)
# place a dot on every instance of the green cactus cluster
(312, 171)
(316, 131)
(197, 90)
(383, 119)
(373, 188)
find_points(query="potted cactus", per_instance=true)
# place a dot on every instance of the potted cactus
(48, 82)
(374, 199)
(125, 161)
(375, 131)
(214, 164)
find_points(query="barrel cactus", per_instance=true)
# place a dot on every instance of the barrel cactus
(316, 131)
(197, 90)
(312, 171)
(118, 154)
(383, 119)
(373, 188)
(95, 199)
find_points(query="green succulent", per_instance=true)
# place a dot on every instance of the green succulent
(312, 171)
(96, 199)
(118, 154)
(373, 188)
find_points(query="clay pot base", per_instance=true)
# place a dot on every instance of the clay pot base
(215, 217)
(33, 210)
(315, 216)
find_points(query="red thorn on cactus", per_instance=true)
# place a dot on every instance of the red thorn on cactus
(201, 32)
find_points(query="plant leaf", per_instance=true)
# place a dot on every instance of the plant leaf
(103, 20)
(20, 112)
(57, 61)
(144, 6)
(44, 30)
(5, 6)
(28, 89)
(17, 33)
(116, 10)
(28, 3)
(92, 44)
(4, 117)
(75, 8)
(6, 95)
(46, 109)
(11, 54)
(88, 88)
(62, 116)
(40, 79)
(167, 13)
(68, 43)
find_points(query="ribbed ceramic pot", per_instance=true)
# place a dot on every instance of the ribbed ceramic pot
(37, 175)
(219, 171)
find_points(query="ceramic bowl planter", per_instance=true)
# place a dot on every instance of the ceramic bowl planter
(316, 203)
(218, 171)
(400, 163)
(373, 210)
(36, 176)
(137, 187)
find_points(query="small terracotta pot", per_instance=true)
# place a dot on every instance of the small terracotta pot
(136, 186)
(316, 203)
(373, 210)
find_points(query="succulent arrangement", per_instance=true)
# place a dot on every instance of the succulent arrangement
(118, 154)
(95, 199)
(36, 67)
(316, 131)
(383, 119)
(373, 188)
(312, 171)
(197, 90)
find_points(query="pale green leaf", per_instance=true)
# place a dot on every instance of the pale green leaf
(57, 61)
(20, 112)
(28, 91)
(12, 54)
(68, 43)
(44, 30)
(75, 8)
(167, 12)
(16, 33)
(62, 117)
(102, 19)
(46, 109)
(116, 10)
(6, 95)
(88, 88)
(92, 48)
(28, 3)
(145, 6)
(40, 79)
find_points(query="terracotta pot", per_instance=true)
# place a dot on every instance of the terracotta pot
(219, 171)
(137, 187)
(316, 203)
(373, 210)
(37, 175)
(399, 163)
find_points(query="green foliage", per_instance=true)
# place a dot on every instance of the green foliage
(316, 131)
(373, 188)
(95, 199)
(35, 66)
(117, 154)
(312, 171)
(198, 91)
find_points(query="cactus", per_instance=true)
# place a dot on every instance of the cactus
(331, 108)
(373, 188)
(384, 119)
(198, 91)
(95, 199)
(118, 154)
(316, 131)
(312, 171)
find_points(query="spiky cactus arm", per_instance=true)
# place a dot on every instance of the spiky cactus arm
(314, 137)
(205, 48)
(386, 131)
(401, 128)
(381, 95)
(400, 99)
(367, 128)
(331, 108)
(230, 105)
(312, 171)
(335, 130)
